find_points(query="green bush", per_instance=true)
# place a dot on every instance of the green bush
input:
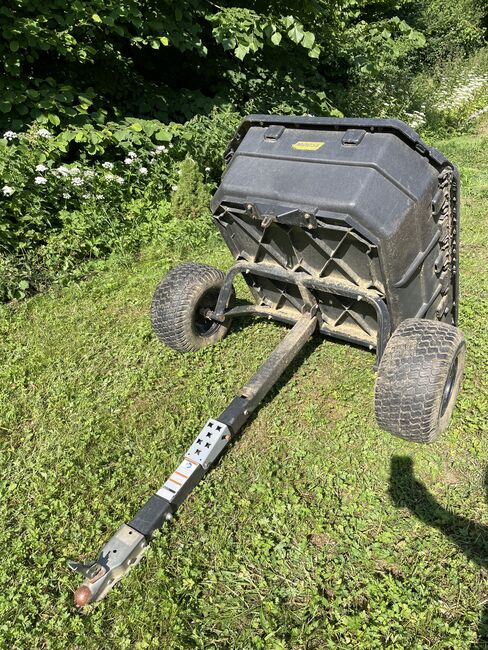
(56, 217)
(208, 136)
(452, 30)
(451, 94)
(191, 197)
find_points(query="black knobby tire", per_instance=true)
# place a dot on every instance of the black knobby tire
(418, 380)
(179, 304)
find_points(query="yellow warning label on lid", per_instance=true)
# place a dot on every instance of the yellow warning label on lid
(303, 145)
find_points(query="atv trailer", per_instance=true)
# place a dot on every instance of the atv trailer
(346, 227)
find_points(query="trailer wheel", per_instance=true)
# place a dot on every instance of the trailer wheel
(418, 380)
(179, 304)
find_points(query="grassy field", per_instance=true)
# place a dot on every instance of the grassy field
(317, 530)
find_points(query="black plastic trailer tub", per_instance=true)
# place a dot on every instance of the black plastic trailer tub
(361, 206)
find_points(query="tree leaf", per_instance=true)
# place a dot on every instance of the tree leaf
(276, 38)
(296, 33)
(163, 136)
(314, 53)
(241, 51)
(308, 40)
(288, 21)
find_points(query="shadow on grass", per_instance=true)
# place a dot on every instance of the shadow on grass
(469, 536)
(241, 323)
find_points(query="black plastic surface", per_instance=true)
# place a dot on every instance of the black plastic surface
(151, 516)
(364, 203)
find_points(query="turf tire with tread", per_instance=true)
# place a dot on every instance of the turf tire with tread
(422, 359)
(176, 300)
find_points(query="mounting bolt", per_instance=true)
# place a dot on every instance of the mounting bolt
(168, 516)
(249, 206)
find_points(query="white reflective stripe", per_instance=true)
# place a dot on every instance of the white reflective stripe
(165, 494)
(177, 479)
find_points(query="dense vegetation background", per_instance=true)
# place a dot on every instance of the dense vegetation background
(101, 101)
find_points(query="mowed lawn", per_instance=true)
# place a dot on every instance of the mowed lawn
(316, 530)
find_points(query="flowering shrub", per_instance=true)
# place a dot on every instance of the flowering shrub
(450, 96)
(55, 216)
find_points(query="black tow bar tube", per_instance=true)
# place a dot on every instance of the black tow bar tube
(126, 548)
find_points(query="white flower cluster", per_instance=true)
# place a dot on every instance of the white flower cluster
(161, 148)
(10, 135)
(131, 156)
(464, 91)
(416, 119)
(44, 133)
(75, 176)
(112, 177)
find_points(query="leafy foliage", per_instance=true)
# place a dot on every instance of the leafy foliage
(96, 63)
(104, 79)
(190, 198)
(55, 218)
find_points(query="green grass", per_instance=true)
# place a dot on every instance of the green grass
(299, 538)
